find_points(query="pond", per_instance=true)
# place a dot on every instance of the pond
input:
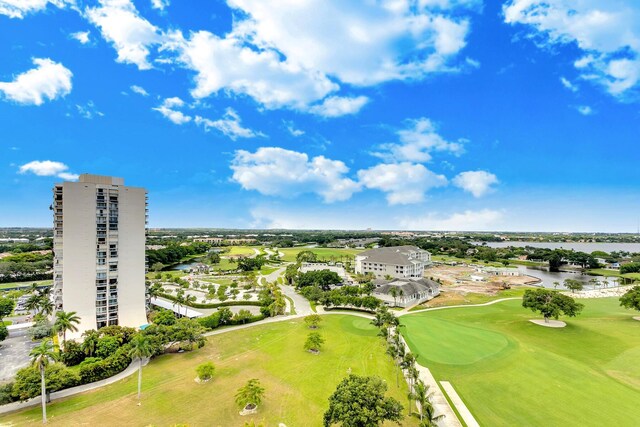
(549, 277)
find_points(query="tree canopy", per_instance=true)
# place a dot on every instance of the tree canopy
(550, 303)
(322, 278)
(360, 401)
(631, 299)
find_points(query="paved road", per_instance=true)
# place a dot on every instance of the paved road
(300, 303)
(14, 353)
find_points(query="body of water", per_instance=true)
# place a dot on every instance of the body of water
(547, 278)
(580, 247)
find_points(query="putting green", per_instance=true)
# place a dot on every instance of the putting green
(451, 343)
(511, 372)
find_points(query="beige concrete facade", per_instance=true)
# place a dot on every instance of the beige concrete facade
(99, 252)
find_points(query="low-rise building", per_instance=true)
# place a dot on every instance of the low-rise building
(395, 261)
(405, 292)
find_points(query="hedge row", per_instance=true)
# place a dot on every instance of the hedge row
(213, 305)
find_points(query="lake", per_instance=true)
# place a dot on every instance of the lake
(547, 277)
(580, 247)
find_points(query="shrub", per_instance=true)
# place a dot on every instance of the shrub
(205, 371)
(89, 361)
(164, 317)
(107, 346)
(57, 377)
(106, 368)
(41, 329)
(6, 393)
(72, 354)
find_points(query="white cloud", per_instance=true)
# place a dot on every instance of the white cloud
(130, 34)
(360, 43)
(227, 64)
(69, 176)
(89, 110)
(404, 183)
(49, 80)
(335, 106)
(606, 31)
(160, 4)
(20, 8)
(230, 125)
(168, 110)
(48, 168)
(477, 183)
(139, 90)
(293, 130)
(567, 84)
(275, 171)
(81, 36)
(485, 219)
(417, 142)
(585, 110)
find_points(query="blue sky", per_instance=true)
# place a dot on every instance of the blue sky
(423, 114)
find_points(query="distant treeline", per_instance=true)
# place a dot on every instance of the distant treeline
(173, 253)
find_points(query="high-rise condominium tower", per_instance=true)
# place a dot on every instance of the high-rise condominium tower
(99, 251)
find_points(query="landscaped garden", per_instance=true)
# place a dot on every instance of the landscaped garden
(297, 383)
(323, 254)
(510, 371)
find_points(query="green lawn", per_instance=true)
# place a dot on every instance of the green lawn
(297, 383)
(24, 284)
(242, 250)
(323, 253)
(450, 298)
(612, 273)
(511, 372)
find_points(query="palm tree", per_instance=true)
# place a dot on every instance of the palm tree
(555, 285)
(250, 395)
(40, 357)
(65, 321)
(46, 306)
(394, 292)
(427, 411)
(140, 349)
(179, 300)
(90, 342)
(33, 302)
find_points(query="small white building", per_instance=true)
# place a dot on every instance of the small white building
(407, 292)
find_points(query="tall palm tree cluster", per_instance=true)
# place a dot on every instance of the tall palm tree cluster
(40, 302)
(405, 363)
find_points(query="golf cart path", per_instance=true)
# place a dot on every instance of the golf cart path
(405, 312)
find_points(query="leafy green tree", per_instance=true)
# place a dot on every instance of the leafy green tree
(250, 395)
(360, 401)
(164, 317)
(65, 321)
(242, 316)
(573, 285)
(6, 307)
(205, 371)
(550, 303)
(106, 346)
(140, 349)
(306, 256)
(313, 320)
(40, 358)
(4, 332)
(157, 266)
(314, 342)
(631, 299)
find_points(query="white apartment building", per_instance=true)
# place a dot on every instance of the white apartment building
(99, 251)
(397, 261)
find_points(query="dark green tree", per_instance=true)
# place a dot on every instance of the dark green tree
(360, 401)
(550, 303)
(631, 299)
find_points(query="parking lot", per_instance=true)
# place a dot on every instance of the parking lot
(14, 353)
